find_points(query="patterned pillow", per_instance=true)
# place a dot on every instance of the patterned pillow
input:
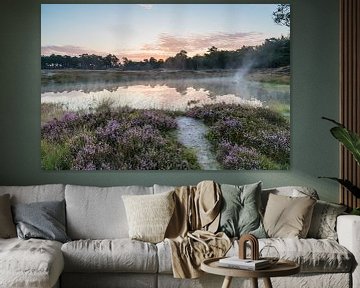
(149, 215)
(240, 213)
(323, 222)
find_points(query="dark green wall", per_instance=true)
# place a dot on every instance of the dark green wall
(314, 92)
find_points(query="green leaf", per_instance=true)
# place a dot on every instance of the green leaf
(347, 184)
(349, 139)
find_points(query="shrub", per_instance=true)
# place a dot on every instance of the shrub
(238, 133)
(117, 139)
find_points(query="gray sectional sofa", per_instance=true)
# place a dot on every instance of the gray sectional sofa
(101, 254)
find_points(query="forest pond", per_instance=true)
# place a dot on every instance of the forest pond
(170, 94)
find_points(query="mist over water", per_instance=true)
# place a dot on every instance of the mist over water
(170, 94)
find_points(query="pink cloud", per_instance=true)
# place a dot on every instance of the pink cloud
(199, 44)
(67, 50)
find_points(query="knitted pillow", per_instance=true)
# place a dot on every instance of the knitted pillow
(149, 215)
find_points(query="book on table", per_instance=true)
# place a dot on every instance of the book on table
(236, 262)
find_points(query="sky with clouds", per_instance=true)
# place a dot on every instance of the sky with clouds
(139, 31)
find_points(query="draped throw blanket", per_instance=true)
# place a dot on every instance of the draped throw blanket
(191, 231)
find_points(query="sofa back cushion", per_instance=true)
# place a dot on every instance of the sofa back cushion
(98, 213)
(36, 193)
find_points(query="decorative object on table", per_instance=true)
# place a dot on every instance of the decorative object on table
(254, 246)
(247, 264)
(351, 142)
(282, 268)
(241, 261)
(269, 253)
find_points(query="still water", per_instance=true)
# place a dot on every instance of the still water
(174, 95)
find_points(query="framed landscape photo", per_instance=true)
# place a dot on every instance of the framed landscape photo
(165, 86)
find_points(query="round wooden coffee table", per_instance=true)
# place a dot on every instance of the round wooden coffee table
(281, 268)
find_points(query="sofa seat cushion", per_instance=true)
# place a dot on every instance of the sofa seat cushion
(30, 263)
(313, 255)
(115, 255)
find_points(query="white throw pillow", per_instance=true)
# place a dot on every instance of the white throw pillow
(149, 215)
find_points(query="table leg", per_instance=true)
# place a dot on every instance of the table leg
(254, 282)
(267, 283)
(227, 282)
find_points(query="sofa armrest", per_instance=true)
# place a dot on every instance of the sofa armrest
(348, 230)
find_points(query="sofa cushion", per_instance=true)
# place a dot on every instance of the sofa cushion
(149, 215)
(240, 210)
(287, 216)
(313, 255)
(117, 255)
(323, 222)
(36, 193)
(7, 226)
(163, 188)
(43, 220)
(30, 263)
(98, 213)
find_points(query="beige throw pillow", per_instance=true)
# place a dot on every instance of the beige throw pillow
(288, 217)
(149, 215)
(7, 226)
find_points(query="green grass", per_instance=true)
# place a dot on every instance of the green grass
(54, 156)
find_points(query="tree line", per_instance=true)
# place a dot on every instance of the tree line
(273, 53)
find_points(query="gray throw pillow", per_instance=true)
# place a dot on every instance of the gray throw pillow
(7, 227)
(323, 222)
(240, 213)
(44, 220)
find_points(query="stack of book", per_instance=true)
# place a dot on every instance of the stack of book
(248, 264)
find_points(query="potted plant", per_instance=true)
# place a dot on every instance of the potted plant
(351, 141)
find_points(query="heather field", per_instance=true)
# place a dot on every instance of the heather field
(240, 137)
(244, 137)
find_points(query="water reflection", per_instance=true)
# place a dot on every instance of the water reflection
(165, 94)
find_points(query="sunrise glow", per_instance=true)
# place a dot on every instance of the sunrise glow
(141, 31)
